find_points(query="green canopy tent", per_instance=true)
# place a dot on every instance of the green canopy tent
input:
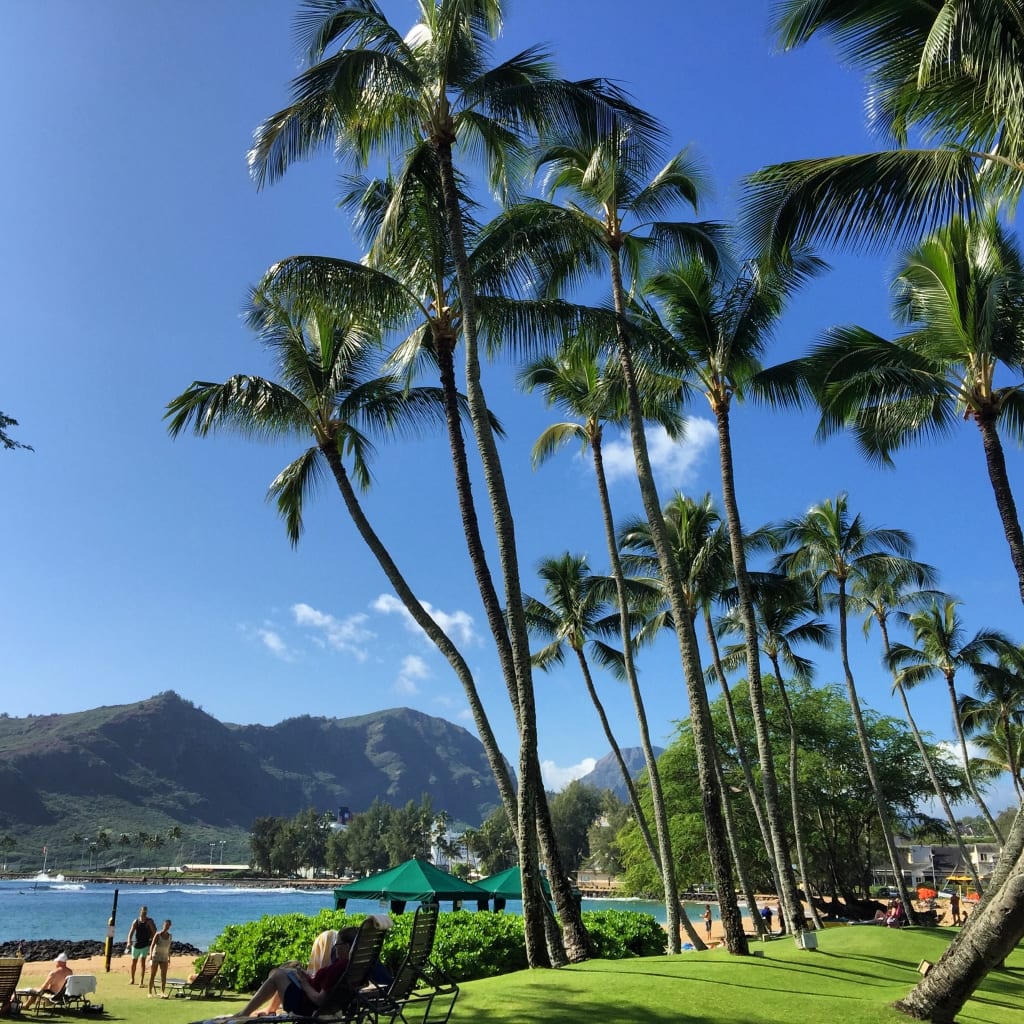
(416, 879)
(507, 885)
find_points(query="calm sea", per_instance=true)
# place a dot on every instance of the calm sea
(56, 910)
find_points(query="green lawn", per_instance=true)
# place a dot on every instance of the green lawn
(850, 979)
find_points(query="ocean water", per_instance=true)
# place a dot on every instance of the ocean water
(75, 911)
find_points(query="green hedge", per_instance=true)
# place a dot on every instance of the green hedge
(468, 945)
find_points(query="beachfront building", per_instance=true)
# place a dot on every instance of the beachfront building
(933, 866)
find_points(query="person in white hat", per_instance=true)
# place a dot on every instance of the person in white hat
(53, 984)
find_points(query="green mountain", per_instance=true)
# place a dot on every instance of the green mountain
(163, 765)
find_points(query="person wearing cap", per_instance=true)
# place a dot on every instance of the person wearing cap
(54, 982)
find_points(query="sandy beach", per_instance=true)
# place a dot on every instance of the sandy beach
(35, 971)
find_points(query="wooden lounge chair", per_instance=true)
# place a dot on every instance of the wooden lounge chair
(420, 992)
(10, 974)
(205, 982)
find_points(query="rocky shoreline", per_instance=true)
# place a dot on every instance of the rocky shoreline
(36, 950)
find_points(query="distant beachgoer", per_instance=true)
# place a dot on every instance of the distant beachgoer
(707, 920)
(160, 956)
(53, 984)
(140, 936)
(766, 916)
(954, 907)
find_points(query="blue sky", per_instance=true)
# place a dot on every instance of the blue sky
(131, 231)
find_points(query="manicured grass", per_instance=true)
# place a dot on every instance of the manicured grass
(850, 979)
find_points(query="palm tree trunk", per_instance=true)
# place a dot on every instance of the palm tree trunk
(434, 632)
(788, 896)
(574, 934)
(700, 715)
(663, 856)
(869, 761)
(1006, 506)
(794, 795)
(982, 806)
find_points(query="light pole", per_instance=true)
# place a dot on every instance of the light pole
(222, 842)
(212, 845)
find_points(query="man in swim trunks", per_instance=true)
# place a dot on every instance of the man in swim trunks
(140, 936)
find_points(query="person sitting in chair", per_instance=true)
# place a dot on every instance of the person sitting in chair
(53, 984)
(296, 990)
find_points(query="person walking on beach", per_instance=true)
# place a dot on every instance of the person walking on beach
(707, 920)
(954, 907)
(140, 936)
(160, 956)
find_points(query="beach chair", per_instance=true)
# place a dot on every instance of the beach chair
(73, 996)
(420, 992)
(10, 975)
(342, 1003)
(205, 983)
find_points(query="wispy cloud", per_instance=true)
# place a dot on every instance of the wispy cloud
(271, 639)
(557, 778)
(458, 625)
(349, 635)
(413, 670)
(674, 462)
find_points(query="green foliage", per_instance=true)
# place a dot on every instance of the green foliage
(573, 811)
(468, 945)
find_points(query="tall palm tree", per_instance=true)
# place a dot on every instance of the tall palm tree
(785, 617)
(576, 381)
(879, 596)
(946, 73)
(370, 91)
(962, 292)
(832, 548)
(718, 322)
(615, 219)
(993, 716)
(331, 391)
(941, 650)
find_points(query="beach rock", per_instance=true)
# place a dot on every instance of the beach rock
(36, 950)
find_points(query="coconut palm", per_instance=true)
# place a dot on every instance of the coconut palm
(370, 91)
(718, 320)
(941, 649)
(832, 548)
(785, 616)
(949, 74)
(331, 391)
(962, 292)
(880, 596)
(575, 381)
(993, 716)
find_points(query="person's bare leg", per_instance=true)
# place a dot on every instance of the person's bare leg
(277, 981)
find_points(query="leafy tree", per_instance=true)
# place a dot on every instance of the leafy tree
(613, 815)
(262, 838)
(494, 844)
(573, 812)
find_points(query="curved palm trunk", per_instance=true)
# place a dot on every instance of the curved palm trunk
(437, 635)
(991, 933)
(574, 935)
(744, 760)
(869, 761)
(794, 795)
(940, 793)
(663, 857)
(950, 677)
(788, 895)
(1006, 506)
(700, 715)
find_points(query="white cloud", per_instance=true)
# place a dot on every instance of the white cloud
(556, 778)
(674, 462)
(413, 669)
(273, 643)
(458, 625)
(348, 635)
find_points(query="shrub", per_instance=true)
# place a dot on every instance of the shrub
(468, 944)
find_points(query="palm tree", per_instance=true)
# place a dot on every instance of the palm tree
(881, 596)
(994, 715)
(329, 391)
(370, 91)
(941, 650)
(832, 548)
(951, 74)
(962, 290)
(576, 382)
(718, 323)
(785, 616)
